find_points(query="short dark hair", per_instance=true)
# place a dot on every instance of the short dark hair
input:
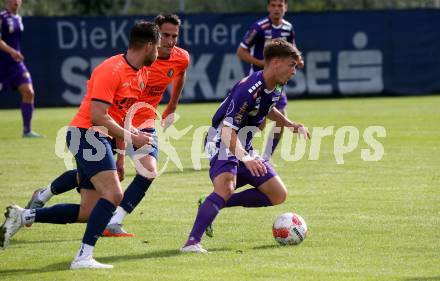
(268, 1)
(170, 18)
(280, 48)
(143, 32)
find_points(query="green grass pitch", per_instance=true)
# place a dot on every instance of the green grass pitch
(367, 220)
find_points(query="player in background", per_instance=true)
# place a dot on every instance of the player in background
(114, 86)
(251, 48)
(13, 71)
(170, 67)
(229, 142)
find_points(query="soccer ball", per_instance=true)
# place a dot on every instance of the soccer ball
(289, 229)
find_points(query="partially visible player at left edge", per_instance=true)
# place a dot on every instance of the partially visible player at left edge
(13, 71)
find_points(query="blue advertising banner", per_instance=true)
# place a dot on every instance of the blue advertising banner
(346, 53)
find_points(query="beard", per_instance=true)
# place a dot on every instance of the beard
(149, 61)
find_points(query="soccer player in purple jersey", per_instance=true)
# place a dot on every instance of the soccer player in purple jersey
(233, 162)
(13, 71)
(251, 50)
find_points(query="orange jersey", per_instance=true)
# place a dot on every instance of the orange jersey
(114, 82)
(161, 73)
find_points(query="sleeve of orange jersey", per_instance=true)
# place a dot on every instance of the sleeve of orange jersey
(105, 84)
(185, 62)
(178, 81)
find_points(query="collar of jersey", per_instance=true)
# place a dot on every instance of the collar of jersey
(126, 60)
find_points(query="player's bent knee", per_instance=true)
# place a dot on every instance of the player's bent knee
(280, 197)
(115, 198)
(27, 91)
(152, 175)
(113, 195)
(224, 187)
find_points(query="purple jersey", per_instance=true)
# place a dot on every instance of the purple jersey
(246, 105)
(11, 27)
(12, 73)
(262, 31)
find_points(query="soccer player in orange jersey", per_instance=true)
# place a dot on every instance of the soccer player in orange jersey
(113, 87)
(170, 67)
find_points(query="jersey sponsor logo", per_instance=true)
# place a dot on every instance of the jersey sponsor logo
(238, 118)
(285, 34)
(170, 73)
(125, 103)
(155, 90)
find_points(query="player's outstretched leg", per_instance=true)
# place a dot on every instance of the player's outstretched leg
(16, 217)
(206, 214)
(13, 223)
(209, 231)
(63, 183)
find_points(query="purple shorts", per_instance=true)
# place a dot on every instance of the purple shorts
(13, 76)
(282, 102)
(236, 167)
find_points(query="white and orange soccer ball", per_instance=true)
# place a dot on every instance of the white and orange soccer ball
(289, 229)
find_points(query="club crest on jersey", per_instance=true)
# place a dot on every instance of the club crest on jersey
(170, 73)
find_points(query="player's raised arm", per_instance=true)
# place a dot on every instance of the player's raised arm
(244, 55)
(100, 117)
(279, 118)
(177, 88)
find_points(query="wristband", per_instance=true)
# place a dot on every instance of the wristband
(246, 158)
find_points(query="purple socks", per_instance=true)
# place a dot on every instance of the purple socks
(26, 112)
(251, 198)
(205, 216)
